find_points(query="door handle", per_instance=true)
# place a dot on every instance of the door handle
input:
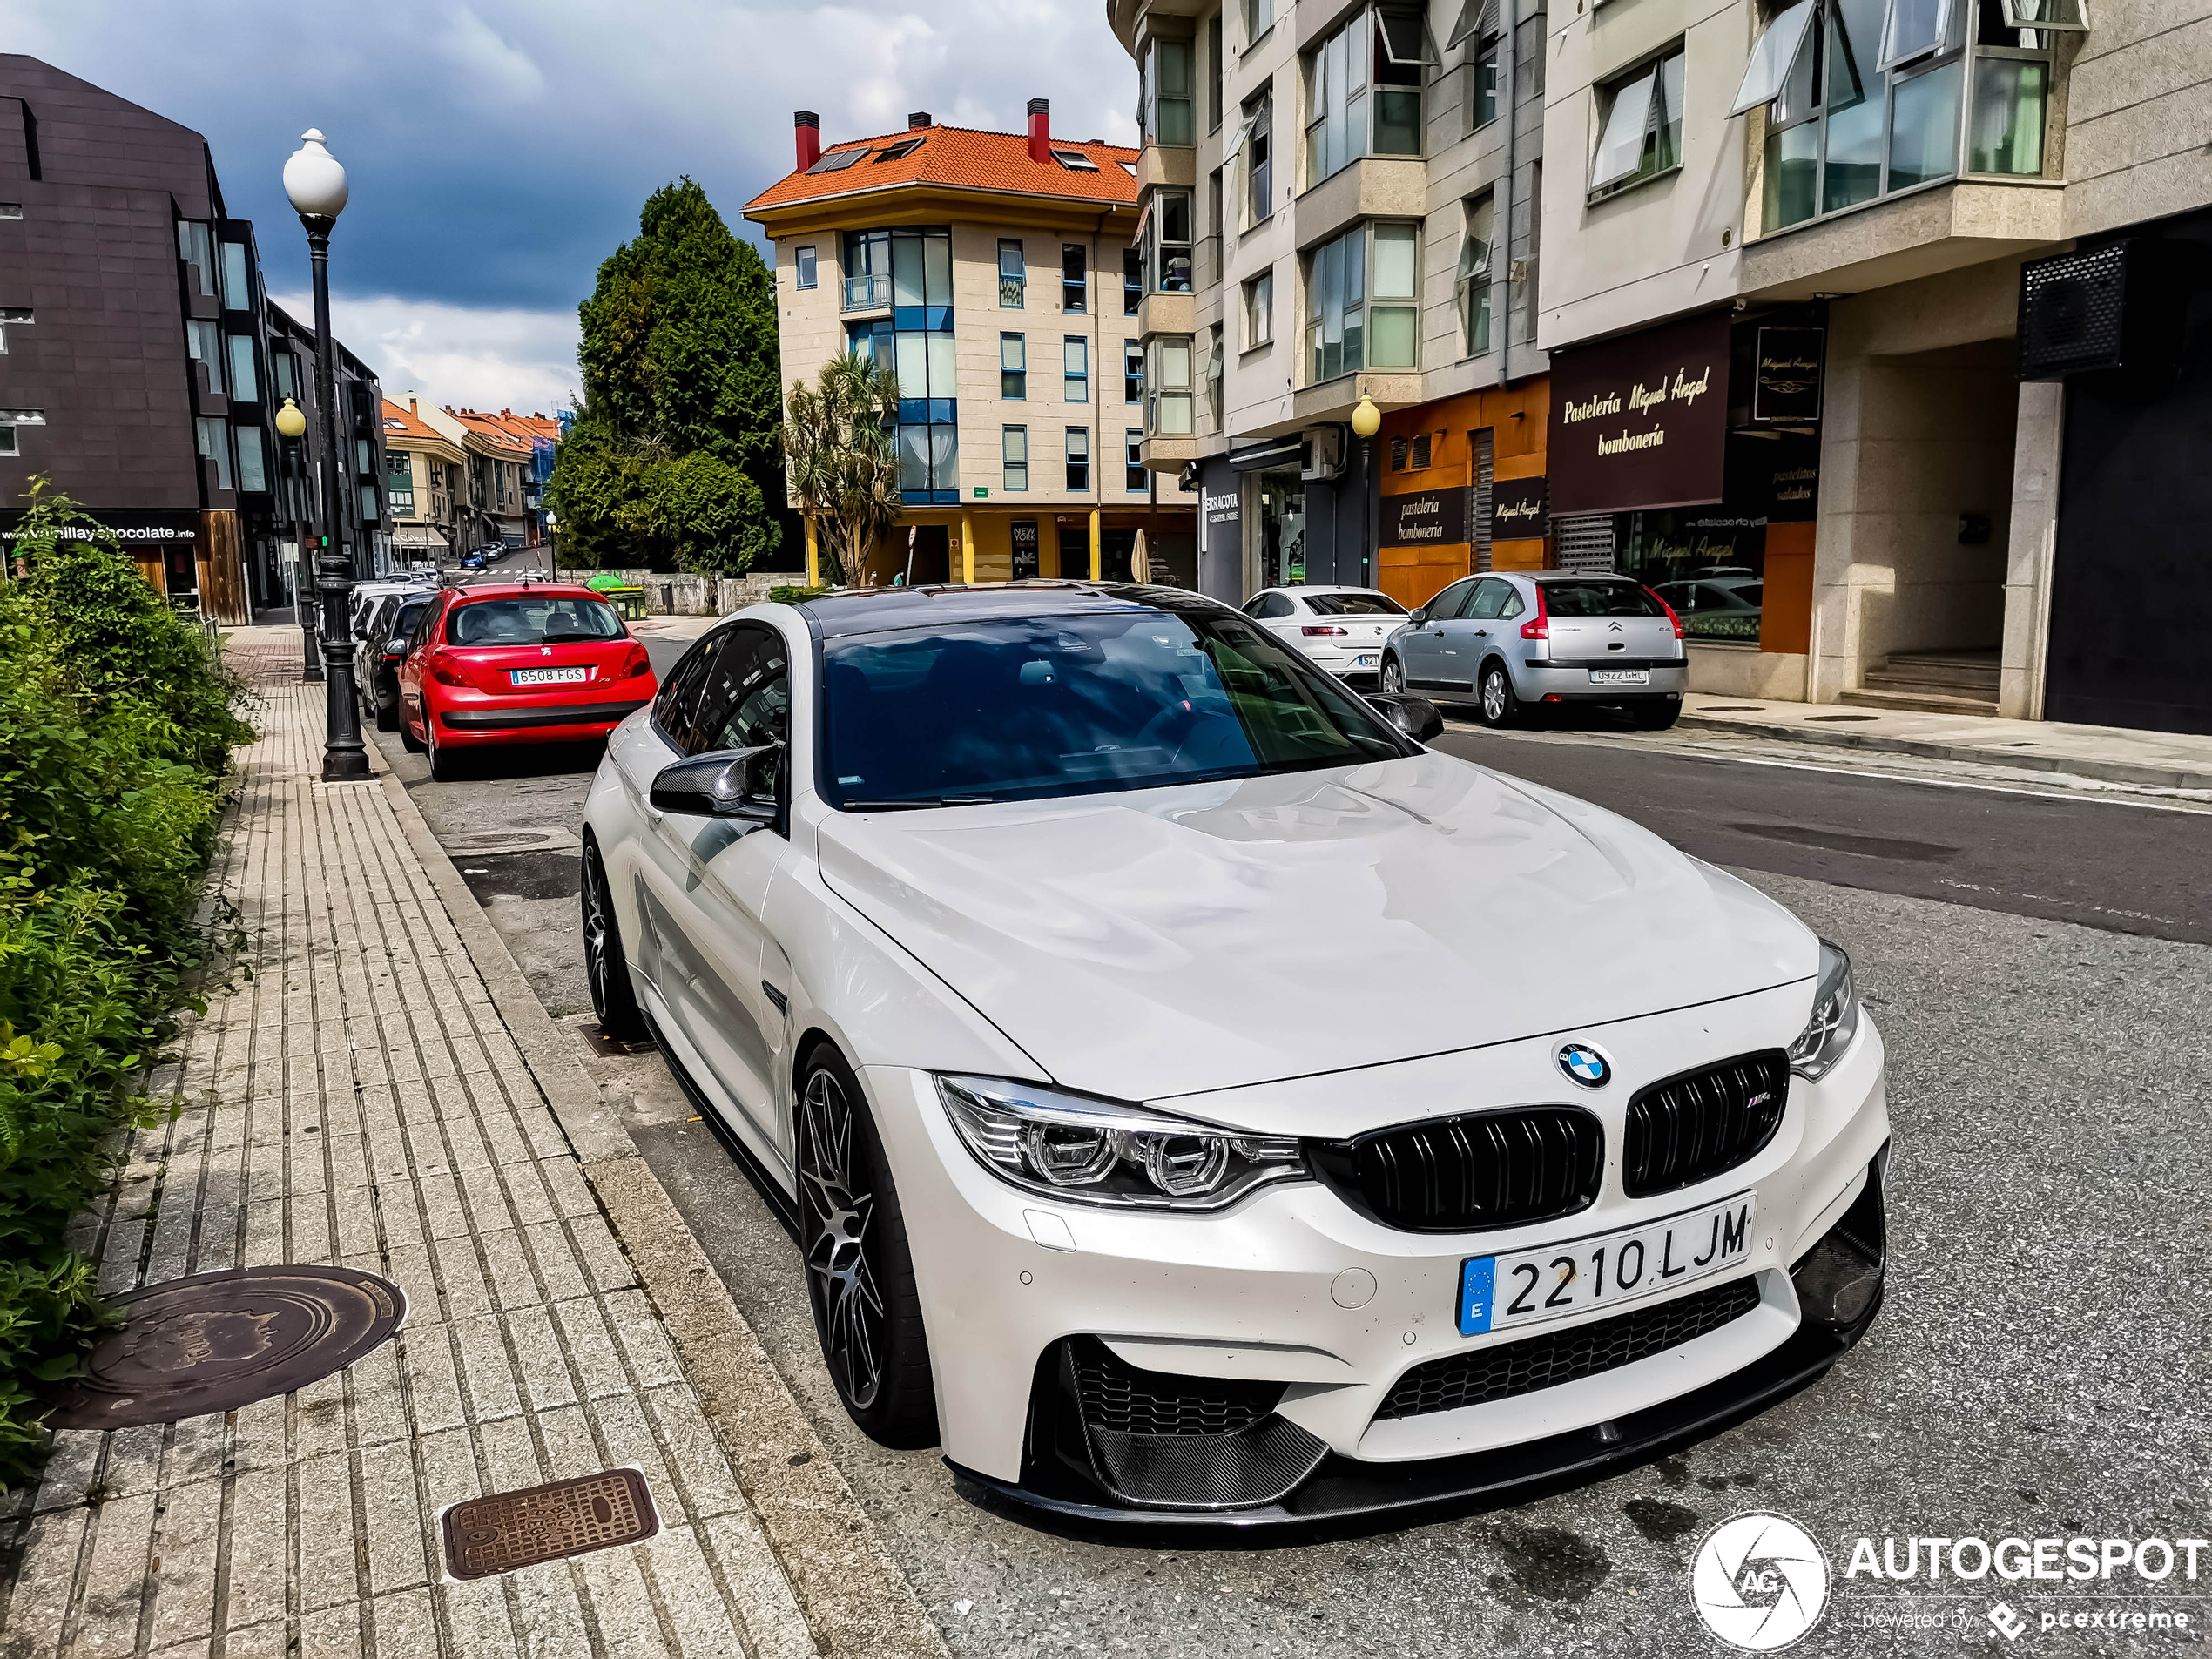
(1482, 633)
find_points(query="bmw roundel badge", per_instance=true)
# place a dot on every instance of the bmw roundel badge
(1585, 1065)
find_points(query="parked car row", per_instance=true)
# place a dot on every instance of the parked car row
(1506, 643)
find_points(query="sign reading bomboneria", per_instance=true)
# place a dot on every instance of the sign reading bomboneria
(1641, 422)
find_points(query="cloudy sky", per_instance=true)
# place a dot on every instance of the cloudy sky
(499, 151)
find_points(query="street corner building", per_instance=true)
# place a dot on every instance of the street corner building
(1337, 204)
(142, 363)
(995, 270)
(1881, 342)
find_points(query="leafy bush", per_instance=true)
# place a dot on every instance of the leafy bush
(115, 720)
(793, 595)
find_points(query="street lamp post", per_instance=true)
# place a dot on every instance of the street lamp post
(316, 184)
(291, 426)
(1366, 421)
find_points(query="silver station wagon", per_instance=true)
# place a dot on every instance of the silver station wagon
(1509, 642)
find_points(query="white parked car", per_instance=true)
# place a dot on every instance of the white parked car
(1197, 1100)
(1342, 628)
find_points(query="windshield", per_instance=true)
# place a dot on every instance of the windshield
(1073, 706)
(1600, 599)
(532, 621)
(1353, 604)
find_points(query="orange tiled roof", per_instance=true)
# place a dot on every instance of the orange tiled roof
(399, 422)
(960, 158)
(490, 428)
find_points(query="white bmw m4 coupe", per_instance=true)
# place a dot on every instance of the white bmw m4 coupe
(1198, 1102)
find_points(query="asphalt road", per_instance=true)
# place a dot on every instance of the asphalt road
(2040, 968)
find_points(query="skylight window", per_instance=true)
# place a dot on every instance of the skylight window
(1074, 161)
(893, 151)
(837, 160)
(1129, 167)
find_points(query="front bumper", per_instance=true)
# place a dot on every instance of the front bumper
(1253, 1295)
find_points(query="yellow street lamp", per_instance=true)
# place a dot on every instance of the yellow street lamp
(1366, 419)
(290, 422)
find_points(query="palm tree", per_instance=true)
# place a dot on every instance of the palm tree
(841, 443)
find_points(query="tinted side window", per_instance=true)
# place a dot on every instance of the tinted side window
(746, 701)
(1446, 604)
(1489, 600)
(679, 693)
(1278, 604)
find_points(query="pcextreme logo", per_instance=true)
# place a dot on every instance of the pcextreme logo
(1759, 1581)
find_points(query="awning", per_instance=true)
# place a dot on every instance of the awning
(1276, 452)
(418, 535)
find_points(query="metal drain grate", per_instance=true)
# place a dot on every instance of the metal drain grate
(508, 1530)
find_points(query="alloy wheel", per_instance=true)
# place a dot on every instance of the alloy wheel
(595, 934)
(1393, 677)
(1494, 696)
(840, 1279)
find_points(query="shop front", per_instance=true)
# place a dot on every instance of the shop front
(1687, 457)
(1463, 488)
(1003, 541)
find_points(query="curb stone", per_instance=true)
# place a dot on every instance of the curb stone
(2117, 771)
(856, 1600)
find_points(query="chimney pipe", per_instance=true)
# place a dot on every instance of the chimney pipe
(807, 128)
(1040, 130)
(412, 407)
(919, 119)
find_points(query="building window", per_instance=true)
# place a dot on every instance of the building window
(926, 360)
(365, 463)
(1167, 381)
(215, 445)
(1360, 310)
(246, 385)
(1132, 371)
(929, 463)
(1410, 452)
(1163, 235)
(803, 263)
(1136, 478)
(1254, 140)
(1079, 459)
(1167, 93)
(1388, 47)
(1474, 279)
(284, 367)
(1639, 124)
(11, 210)
(204, 344)
(1482, 94)
(252, 458)
(1013, 275)
(1014, 457)
(1217, 374)
(1075, 363)
(1260, 18)
(372, 508)
(399, 482)
(1863, 96)
(11, 319)
(898, 267)
(196, 247)
(1013, 366)
(1132, 280)
(1074, 283)
(1259, 310)
(8, 442)
(237, 284)
(1214, 72)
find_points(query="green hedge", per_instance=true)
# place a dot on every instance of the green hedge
(116, 723)
(791, 596)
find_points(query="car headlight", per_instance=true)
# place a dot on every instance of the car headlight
(1835, 1016)
(1096, 1151)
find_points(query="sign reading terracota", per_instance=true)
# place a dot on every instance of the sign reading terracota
(1642, 422)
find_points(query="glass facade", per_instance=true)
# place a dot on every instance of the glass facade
(1361, 310)
(1363, 90)
(910, 270)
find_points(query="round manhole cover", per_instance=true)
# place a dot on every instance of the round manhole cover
(217, 1341)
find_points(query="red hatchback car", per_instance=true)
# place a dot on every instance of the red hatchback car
(518, 662)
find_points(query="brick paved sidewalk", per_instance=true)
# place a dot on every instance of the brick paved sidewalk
(355, 1097)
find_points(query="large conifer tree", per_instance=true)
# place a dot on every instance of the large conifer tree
(675, 457)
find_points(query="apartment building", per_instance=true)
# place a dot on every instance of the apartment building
(993, 270)
(426, 483)
(501, 501)
(1342, 203)
(142, 362)
(1881, 339)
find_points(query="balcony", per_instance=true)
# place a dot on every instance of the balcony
(867, 294)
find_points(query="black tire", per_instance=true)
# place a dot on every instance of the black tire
(408, 741)
(1498, 704)
(445, 766)
(860, 1275)
(1392, 678)
(387, 716)
(1655, 713)
(614, 999)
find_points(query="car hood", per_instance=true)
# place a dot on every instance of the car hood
(1174, 942)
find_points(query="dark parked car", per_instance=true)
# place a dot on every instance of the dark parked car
(380, 646)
